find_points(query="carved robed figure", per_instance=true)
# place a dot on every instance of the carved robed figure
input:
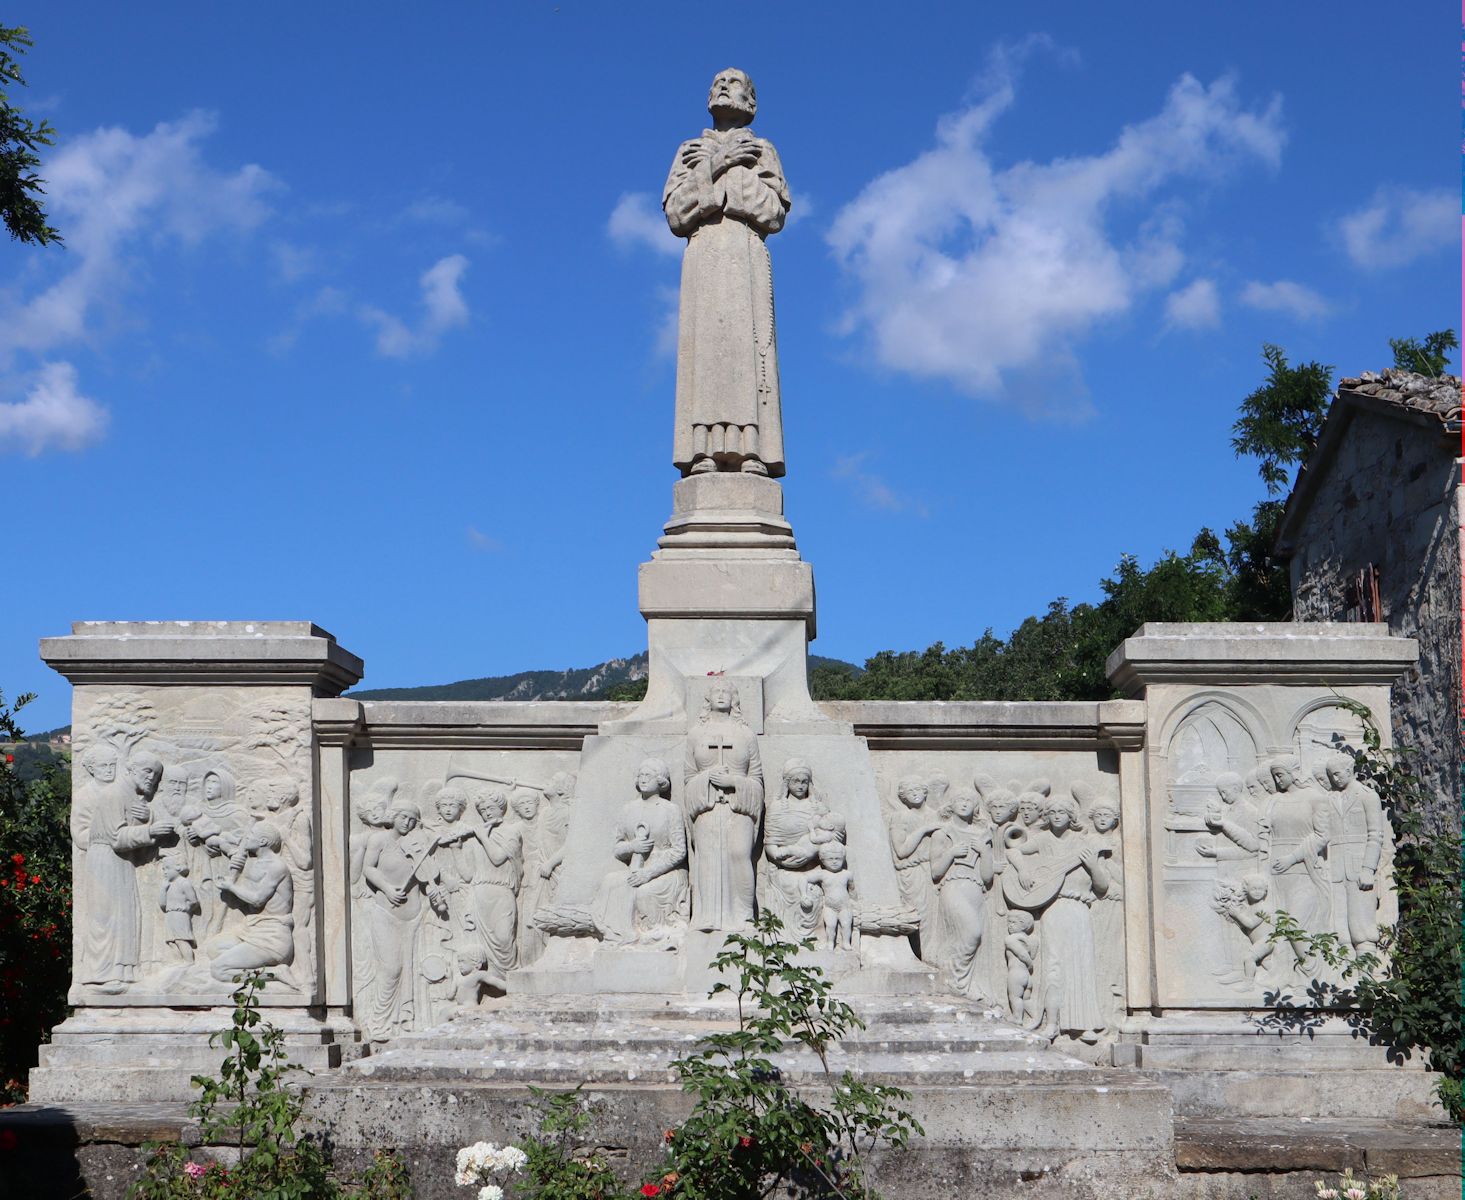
(723, 794)
(726, 194)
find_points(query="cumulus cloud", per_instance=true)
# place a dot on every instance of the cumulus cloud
(443, 309)
(1399, 226)
(1195, 306)
(1285, 296)
(987, 276)
(53, 416)
(637, 221)
(872, 489)
(110, 191)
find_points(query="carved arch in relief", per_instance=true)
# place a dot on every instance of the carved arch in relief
(1212, 733)
(1321, 727)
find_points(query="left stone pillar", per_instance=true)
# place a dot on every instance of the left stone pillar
(196, 827)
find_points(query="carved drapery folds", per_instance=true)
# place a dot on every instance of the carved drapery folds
(193, 856)
(1018, 893)
(1252, 833)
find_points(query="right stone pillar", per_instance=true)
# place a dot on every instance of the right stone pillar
(1249, 805)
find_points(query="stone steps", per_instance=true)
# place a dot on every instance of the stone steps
(618, 1039)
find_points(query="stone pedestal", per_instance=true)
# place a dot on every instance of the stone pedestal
(727, 594)
(196, 829)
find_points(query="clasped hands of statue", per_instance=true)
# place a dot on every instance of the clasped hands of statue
(742, 150)
(140, 814)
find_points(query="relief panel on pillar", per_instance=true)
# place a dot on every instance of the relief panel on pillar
(193, 844)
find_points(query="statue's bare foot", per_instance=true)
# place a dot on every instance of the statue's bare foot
(751, 466)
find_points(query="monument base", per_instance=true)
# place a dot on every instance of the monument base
(137, 1054)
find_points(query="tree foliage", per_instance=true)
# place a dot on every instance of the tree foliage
(1062, 654)
(35, 905)
(1428, 357)
(20, 143)
(1281, 420)
(1407, 996)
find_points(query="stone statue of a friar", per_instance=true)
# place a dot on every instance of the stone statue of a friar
(725, 195)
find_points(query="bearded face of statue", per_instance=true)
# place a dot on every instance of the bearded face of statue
(732, 99)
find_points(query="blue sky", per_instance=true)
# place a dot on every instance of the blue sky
(365, 311)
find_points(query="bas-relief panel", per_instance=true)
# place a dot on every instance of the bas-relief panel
(452, 854)
(193, 846)
(1251, 832)
(1012, 862)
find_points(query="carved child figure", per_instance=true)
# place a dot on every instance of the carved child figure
(179, 901)
(1018, 947)
(1244, 906)
(830, 880)
(473, 977)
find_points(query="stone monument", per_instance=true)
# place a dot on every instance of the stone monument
(427, 880)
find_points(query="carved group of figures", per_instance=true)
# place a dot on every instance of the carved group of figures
(1018, 895)
(181, 883)
(699, 864)
(445, 906)
(1308, 845)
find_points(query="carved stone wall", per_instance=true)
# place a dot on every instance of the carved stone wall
(1253, 809)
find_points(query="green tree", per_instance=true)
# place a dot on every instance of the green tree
(20, 139)
(35, 904)
(1429, 357)
(1280, 421)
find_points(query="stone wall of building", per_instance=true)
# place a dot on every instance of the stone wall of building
(1390, 498)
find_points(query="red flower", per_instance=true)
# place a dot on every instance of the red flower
(35, 879)
(18, 859)
(745, 1142)
(10, 758)
(668, 1135)
(651, 1189)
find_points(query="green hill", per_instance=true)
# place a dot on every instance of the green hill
(577, 683)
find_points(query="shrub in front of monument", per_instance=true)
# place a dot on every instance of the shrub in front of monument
(750, 1132)
(1345, 1187)
(247, 1111)
(1406, 995)
(35, 907)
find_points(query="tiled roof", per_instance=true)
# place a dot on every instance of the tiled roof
(1439, 396)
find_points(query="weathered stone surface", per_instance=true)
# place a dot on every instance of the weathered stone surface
(1382, 490)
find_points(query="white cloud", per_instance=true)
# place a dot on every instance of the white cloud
(986, 276)
(435, 210)
(667, 327)
(637, 220)
(443, 308)
(1285, 296)
(482, 542)
(1400, 226)
(872, 489)
(293, 263)
(109, 192)
(53, 416)
(1195, 306)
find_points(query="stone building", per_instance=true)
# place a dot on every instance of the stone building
(1372, 530)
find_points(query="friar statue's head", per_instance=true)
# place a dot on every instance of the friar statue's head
(732, 101)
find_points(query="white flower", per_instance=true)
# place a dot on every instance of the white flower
(472, 1161)
(490, 1191)
(1356, 1193)
(511, 1158)
(1327, 1193)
